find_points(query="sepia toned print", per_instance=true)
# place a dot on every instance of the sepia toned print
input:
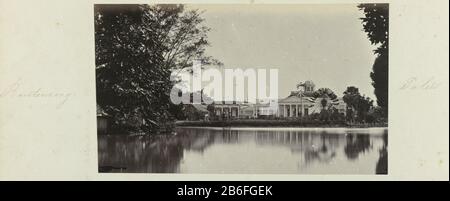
(248, 89)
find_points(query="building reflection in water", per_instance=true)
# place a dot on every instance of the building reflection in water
(311, 149)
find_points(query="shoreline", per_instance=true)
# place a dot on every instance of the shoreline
(335, 130)
(265, 125)
(260, 123)
(281, 128)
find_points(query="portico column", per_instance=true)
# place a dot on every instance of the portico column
(293, 107)
(278, 110)
(281, 110)
(285, 111)
(296, 110)
(301, 107)
(290, 111)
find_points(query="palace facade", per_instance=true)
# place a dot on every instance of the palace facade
(297, 104)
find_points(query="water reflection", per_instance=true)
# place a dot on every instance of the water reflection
(356, 144)
(306, 151)
(382, 163)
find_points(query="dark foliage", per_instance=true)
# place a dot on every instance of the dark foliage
(323, 93)
(357, 103)
(137, 47)
(380, 80)
(376, 25)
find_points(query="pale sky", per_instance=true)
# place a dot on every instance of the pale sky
(322, 43)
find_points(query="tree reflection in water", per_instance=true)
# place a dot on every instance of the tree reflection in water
(382, 164)
(139, 153)
(356, 144)
(166, 153)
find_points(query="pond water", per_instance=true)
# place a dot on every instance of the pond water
(248, 151)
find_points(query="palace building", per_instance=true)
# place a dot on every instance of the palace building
(299, 103)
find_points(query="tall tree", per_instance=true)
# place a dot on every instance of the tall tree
(184, 36)
(376, 25)
(137, 47)
(360, 104)
(379, 76)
